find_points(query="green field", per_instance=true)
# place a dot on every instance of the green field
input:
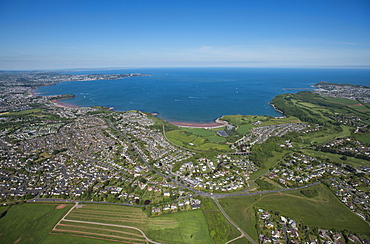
(363, 137)
(182, 227)
(325, 136)
(238, 120)
(356, 162)
(243, 129)
(220, 229)
(339, 100)
(199, 131)
(198, 139)
(29, 112)
(324, 211)
(274, 121)
(30, 223)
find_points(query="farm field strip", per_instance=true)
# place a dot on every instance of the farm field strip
(110, 207)
(107, 213)
(68, 227)
(141, 220)
(76, 226)
(101, 236)
(120, 224)
(93, 233)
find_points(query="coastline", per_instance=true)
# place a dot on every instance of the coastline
(217, 124)
(59, 104)
(32, 92)
(277, 109)
(55, 102)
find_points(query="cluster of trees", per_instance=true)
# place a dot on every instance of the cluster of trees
(261, 152)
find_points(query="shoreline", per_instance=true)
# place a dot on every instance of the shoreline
(59, 104)
(55, 102)
(217, 124)
(277, 109)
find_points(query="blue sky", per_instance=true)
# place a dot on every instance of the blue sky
(151, 33)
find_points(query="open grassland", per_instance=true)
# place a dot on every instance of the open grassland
(289, 119)
(324, 211)
(192, 228)
(128, 224)
(323, 106)
(352, 104)
(356, 162)
(360, 108)
(363, 137)
(199, 131)
(325, 135)
(342, 101)
(238, 120)
(28, 112)
(197, 138)
(243, 129)
(30, 223)
(216, 139)
(242, 121)
(220, 229)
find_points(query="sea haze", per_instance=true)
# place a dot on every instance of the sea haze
(198, 95)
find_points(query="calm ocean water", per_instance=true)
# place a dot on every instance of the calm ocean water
(199, 94)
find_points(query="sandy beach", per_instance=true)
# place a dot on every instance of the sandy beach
(217, 124)
(60, 104)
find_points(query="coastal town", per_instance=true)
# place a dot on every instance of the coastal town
(48, 150)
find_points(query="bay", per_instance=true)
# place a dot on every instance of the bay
(198, 95)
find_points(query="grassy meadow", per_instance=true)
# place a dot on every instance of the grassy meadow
(324, 211)
(30, 223)
(198, 139)
(220, 229)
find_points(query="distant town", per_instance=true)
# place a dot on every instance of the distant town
(94, 154)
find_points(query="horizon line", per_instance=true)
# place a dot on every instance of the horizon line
(174, 67)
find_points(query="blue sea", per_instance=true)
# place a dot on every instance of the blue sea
(199, 95)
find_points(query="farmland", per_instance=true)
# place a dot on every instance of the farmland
(29, 223)
(99, 223)
(121, 223)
